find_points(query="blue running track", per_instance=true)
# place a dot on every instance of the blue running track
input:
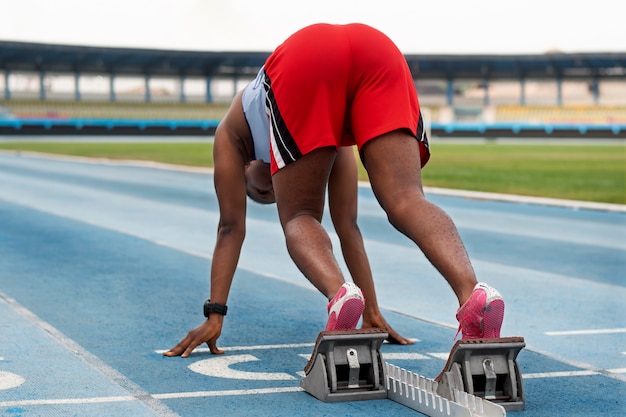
(105, 265)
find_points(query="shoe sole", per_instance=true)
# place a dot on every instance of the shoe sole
(349, 315)
(492, 319)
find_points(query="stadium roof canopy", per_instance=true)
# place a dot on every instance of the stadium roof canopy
(21, 56)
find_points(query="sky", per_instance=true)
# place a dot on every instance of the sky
(416, 26)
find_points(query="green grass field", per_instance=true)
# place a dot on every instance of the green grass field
(575, 172)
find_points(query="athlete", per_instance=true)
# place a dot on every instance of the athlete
(328, 87)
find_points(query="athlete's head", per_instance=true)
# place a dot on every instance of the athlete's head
(259, 182)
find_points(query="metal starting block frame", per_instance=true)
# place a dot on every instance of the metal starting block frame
(485, 368)
(480, 379)
(346, 365)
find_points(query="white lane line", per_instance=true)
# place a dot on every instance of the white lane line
(226, 393)
(398, 355)
(244, 348)
(415, 356)
(166, 396)
(480, 195)
(576, 364)
(137, 393)
(256, 347)
(404, 356)
(585, 332)
(411, 356)
(259, 391)
(413, 339)
(259, 347)
(573, 373)
(60, 401)
(443, 355)
(606, 372)
(574, 204)
(559, 374)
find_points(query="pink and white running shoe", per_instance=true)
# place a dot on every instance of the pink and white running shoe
(482, 314)
(346, 308)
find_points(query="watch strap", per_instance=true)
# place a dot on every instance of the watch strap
(210, 307)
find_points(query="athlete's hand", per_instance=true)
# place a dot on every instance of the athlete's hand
(208, 332)
(376, 320)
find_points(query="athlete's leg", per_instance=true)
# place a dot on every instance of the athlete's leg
(300, 192)
(393, 164)
(343, 207)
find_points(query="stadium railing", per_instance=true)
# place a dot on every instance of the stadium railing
(32, 116)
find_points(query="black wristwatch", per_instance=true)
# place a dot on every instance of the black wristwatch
(210, 307)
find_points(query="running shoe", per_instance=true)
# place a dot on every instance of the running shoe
(482, 314)
(346, 308)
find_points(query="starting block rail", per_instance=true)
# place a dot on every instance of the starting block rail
(420, 394)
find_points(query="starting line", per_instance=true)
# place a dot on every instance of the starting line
(9, 380)
(240, 348)
(225, 393)
(164, 396)
(388, 356)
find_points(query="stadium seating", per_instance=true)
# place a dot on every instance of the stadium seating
(103, 117)
(587, 114)
(65, 109)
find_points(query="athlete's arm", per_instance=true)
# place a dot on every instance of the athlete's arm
(230, 157)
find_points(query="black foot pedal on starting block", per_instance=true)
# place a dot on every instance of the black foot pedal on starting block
(346, 365)
(485, 368)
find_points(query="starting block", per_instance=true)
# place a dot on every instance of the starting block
(346, 365)
(485, 368)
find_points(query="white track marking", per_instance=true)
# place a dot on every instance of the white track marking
(585, 332)
(166, 396)
(219, 367)
(263, 347)
(261, 391)
(565, 374)
(577, 364)
(409, 356)
(137, 393)
(92, 400)
(9, 380)
(443, 355)
(574, 204)
(404, 356)
(559, 374)
(245, 348)
(226, 393)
